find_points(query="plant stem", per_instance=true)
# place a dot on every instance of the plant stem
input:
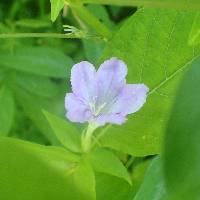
(91, 20)
(46, 35)
(87, 138)
(147, 3)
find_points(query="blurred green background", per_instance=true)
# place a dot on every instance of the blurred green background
(34, 72)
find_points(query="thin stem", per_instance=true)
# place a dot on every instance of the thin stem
(147, 3)
(47, 35)
(88, 17)
(87, 138)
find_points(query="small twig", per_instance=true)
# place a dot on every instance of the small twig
(81, 23)
(49, 35)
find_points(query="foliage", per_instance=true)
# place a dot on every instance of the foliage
(159, 42)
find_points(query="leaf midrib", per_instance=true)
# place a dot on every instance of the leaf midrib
(187, 64)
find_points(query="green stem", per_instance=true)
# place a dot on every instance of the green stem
(91, 20)
(147, 3)
(45, 35)
(87, 138)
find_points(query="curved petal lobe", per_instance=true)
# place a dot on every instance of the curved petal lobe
(110, 79)
(77, 111)
(83, 80)
(130, 99)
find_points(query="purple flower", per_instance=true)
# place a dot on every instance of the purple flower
(102, 96)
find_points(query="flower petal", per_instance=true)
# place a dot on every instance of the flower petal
(109, 118)
(110, 79)
(77, 111)
(131, 99)
(83, 80)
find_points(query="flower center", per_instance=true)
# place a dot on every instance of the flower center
(96, 110)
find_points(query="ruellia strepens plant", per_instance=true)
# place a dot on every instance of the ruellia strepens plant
(99, 100)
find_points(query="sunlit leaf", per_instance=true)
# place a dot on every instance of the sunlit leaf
(56, 7)
(106, 162)
(194, 37)
(157, 53)
(30, 171)
(111, 187)
(84, 179)
(65, 131)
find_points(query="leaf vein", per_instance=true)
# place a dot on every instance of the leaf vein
(173, 75)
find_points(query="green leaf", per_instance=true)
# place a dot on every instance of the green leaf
(194, 37)
(177, 4)
(84, 180)
(56, 7)
(6, 110)
(38, 85)
(138, 170)
(182, 149)
(31, 171)
(66, 133)
(106, 162)
(112, 188)
(43, 61)
(153, 186)
(156, 52)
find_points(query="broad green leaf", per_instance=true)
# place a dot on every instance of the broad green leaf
(177, 4)
(182, 149)
(43, 61)
(38, 85)
(6, 110)
(157, 53)
(153, 186)
(65, 131)
(56, 7)
(106, 162)
(112, 188)
(84, 179)
(33, 23)
(194, 37)
(31, 171)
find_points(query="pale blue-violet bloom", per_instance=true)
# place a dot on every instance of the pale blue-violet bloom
(102, 96)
